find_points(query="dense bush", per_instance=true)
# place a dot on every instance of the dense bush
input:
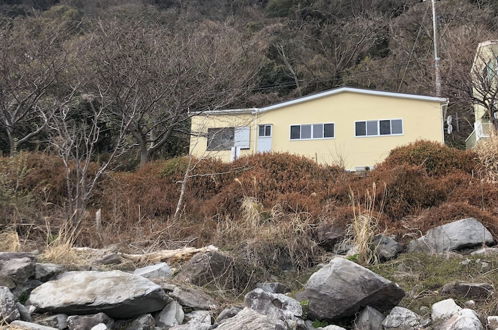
(437, 159)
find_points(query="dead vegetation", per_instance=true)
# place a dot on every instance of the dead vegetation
(266, 208)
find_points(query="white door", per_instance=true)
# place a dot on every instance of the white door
(264, 137)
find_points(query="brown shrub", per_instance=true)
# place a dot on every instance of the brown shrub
(435, 158)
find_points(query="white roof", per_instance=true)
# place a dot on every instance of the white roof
(328, 93)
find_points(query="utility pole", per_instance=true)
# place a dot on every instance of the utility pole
(436, 55)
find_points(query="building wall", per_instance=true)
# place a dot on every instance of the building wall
(421, 120)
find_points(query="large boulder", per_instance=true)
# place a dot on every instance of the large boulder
(444, 309)
(273, 287)
(453, 236)
(58, 321)
(342, 288)
(171, 315)
(118, 294)
(8, 307)
(46, 272)
(159, 270)
(249, 319)
(468, 290)
(274, 305)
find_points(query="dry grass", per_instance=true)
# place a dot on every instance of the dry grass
(487, 153)
(59, 249)
(10, 241)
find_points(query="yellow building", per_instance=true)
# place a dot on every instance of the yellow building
(354, 128)
(484, 75)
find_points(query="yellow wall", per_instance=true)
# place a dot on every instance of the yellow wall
(421, 120)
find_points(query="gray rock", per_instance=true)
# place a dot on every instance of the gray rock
(329, 234)
(444, 309)
(58, 321)
(465, 319)
(7, 282)
(274, 305)
(193, 326)
(85, 322)
(45, 272)
(470, 304)
(227, 313)
(100, 326)
(22, 325)
(468, 290)
(342, 288)
(8, 307)
(386, 247)
(144, 322)
(401, 319)
(171, 315)
(203, 317)
(193, 298)
(486, 251)
(249, 319)
(453, 236)
(18, 269)
(154, 271)
(333, 327)
(24, 289)
(5, 256)
(492, 322)
(116, 293)
(205, 268)
(24, 312)
(369, 319)
(110, 259)
(273, 287)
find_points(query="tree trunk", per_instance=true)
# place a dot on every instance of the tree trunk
(144, 155)
(12, 144)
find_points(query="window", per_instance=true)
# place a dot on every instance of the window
(264, 130)
(225, 138)
(379, 127)
(312, 131)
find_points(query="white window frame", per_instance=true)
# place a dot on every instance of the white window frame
(271, 130)
(378, 127)
(312, 138)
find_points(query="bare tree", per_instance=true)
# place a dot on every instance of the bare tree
(159, 75)
(30, 62)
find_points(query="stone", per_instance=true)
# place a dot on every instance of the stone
(24, 289)
(204, 268)
(110, 259)
(386, 247)
(453, 236)
(192, 326)
(85, 322)
(492, 322)
(333, 327)
(369, 319)
(202, 317)
(8, 307)
(486, 251)
(5, 256)
(7, 282)
(273, 287)
(171, 315)
(470, 304)
(118, 294)
(24, 313)
(193, 298)
(444, 309)
(274, 305)
(249, 319)
(329, 234)
(342, 288)
(227, 313)
(401, 319)
(465, 319)
(144, 322)
(22, 325)
(45, 272)
(18, 269)
(154, 271)
(58, 321)
(100, 326)
(468, 290)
